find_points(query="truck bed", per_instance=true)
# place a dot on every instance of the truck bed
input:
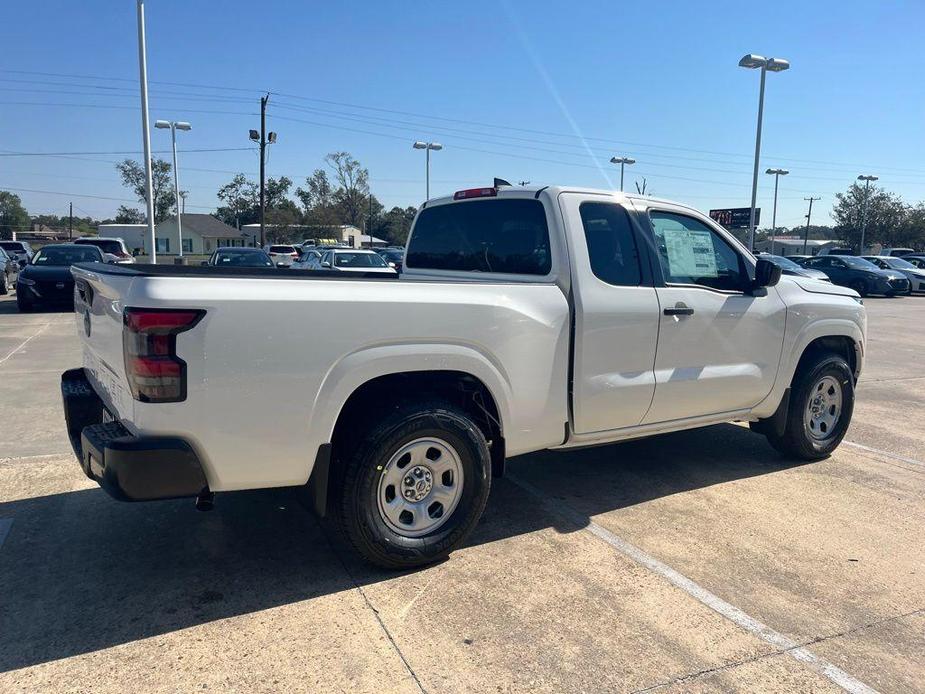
(151, 270)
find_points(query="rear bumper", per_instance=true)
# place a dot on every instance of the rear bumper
(128, 467)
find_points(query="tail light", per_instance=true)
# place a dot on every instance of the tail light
(149, 338)
(475, 193)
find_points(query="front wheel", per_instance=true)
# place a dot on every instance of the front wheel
(860, 286)
(415, 486)
(821, 405)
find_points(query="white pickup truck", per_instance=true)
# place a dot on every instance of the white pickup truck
(526, 318)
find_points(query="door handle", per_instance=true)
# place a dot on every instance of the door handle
(679, 311)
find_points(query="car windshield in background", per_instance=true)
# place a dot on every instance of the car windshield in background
(12, 246)
(359, 260)
(392, 256)
(107, 246)
(506, 236)
(782, 262)
(899, 264)
(858, 263)
(66, 256)
(243, 258)
(282, 249)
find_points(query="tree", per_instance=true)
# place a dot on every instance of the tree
(133, 177)
(317, 200)
(13, 216)
(242, 201)
(129, 215)
(397, 224)
(886, 213)
(353, 181)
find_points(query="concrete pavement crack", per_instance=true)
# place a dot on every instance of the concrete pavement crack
(773, 654)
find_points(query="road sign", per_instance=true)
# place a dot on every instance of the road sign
(736, 217)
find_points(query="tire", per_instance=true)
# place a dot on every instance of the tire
(827, 377)
(860, 286)
(4, 288)
(401, 445)
(22, 304)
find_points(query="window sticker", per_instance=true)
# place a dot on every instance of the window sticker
(690, 253)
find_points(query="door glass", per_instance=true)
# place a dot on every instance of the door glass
(611, 246)
(690, 252)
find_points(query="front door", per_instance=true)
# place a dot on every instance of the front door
(719, 344)
(616, 316)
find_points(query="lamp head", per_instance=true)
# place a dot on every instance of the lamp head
(183, 125)
(162, 124)
(434, 146)
(255, 136)
(778, 64)
(753, 61)
(420, 145)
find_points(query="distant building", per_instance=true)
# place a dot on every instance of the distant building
(793, 245)
(322, 235)
(202, 234)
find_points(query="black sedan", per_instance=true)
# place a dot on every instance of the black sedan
(9, 270)
(788, 267)
(236, 256)
(860, 275)
(394, 256)
(47, 281)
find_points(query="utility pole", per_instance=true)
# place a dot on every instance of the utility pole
(146, 129)
(263, 181)
(70, 222)
(369, 221)
(867, 180)
(810, 214)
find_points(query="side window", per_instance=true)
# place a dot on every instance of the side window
(836, 262)
(690, 252)
(611, 245)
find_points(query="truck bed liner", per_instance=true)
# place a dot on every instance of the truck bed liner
(149, 270)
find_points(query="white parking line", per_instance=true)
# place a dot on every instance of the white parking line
(877, 451)
(24, 343)
(5, 525)
(701, 594)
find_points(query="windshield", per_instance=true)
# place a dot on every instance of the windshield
(858, 263)
(899, 264)
(107, 246)
(242, 259)
(66, 255)
(782, 262)
(13, 246)
(359, 260)
(282, 249)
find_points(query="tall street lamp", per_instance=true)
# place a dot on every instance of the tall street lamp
(777, 174)
(263, 140)
(753, 62)
(174, 126)
(428, 146)
(622, 161)
(867, 180)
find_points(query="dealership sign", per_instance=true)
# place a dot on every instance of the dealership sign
(736, 217)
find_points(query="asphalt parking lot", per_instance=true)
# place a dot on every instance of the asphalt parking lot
(696, 561)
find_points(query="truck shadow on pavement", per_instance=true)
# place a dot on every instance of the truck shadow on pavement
(80, 572)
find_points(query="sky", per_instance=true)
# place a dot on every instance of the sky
(539, 91)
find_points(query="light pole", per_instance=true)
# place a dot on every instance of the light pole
(809, 214)
(777, 174)
(264, 140)
(752, 62)
(427, 147)
(867, 180)
(174, 126)
(145, 129)
(622, 161)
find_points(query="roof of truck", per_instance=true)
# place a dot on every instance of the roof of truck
(518, 191)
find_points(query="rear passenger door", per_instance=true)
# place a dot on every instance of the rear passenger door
(616, 316)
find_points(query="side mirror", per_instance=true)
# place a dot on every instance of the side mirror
(767, 274)
(325, 264)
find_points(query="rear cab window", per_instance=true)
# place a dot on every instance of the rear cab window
(498, 235)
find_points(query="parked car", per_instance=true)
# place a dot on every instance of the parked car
(837, 251)
(788, 267)
(18, 250)
(507, 333)
(112, 245)
(9, 271)
(47, 281)
(915, 275)
(393, 256)
(354, 260)
(308, 260)
(896, 252)
(236, 256)
(917, 259)
(282, 255)
(860, 275)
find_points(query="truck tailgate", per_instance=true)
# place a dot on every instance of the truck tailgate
(98, 304)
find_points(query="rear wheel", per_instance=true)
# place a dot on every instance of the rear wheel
(22, 303)
(860, 286)
(4, 287)
(821, 405)
(414, 487)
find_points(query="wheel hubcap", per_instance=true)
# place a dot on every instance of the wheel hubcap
(420, 487)
(823, 409)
